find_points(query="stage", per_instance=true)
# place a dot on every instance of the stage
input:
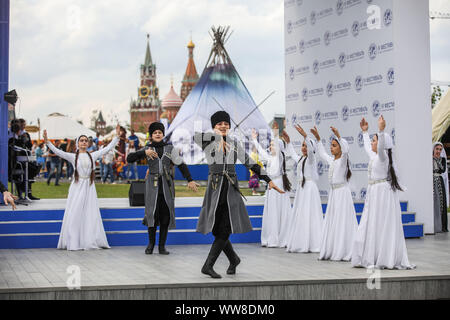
(38, 225)
(127, 273)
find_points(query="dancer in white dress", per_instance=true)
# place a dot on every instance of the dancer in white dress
(305, 234)
(340, 223)
(380, 241)
(277, 206)
(82, 227)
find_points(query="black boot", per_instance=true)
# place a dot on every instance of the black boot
(163, 230)
(444, 221)
(152, 240)
(214, 253)
(232, 257)
(31, 197)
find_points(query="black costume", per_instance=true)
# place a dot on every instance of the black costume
(223, 211)
(160, 189)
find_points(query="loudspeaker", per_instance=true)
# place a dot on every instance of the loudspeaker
(11, 97)
(136, 194)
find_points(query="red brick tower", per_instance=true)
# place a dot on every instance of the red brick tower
(147, 108)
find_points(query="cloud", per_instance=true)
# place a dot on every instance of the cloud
(75, 56)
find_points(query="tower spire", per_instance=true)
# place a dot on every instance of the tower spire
(148, 55)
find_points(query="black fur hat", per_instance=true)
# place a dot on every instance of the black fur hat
(156, 126)
(219, 117)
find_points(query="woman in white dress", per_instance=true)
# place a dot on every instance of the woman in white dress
(82, 227)
(277, 206)
(340, 223)
(306, 229)
(380, 241)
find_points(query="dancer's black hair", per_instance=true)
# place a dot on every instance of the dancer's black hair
(392, 176)
(286, 182)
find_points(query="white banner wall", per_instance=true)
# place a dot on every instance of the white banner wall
(341, 61)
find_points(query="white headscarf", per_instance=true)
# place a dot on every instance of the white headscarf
(445, 174)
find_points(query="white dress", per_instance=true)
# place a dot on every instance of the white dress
(82, 227)
(340, 224)
(380, 241)
(305, 233)
(277, 207)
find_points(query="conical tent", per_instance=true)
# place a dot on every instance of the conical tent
(220, 88)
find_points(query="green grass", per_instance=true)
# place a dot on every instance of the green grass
(41, 190)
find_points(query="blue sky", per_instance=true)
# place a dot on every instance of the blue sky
(73, 56)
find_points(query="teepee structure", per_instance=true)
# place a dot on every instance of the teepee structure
(220, 88)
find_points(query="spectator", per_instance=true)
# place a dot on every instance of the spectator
(55, 165)
(64, 163)
(120, 164)
(71, 148)
(131, 149)
(108, 161)
(40, 155)
(91, 146)
(122, 143)
(134, 140)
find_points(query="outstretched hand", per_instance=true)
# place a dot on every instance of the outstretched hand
(193, 186)
(336, 132)
(381, 123)
(364, 125)
(286, 137)
(300, 130)
(8, 198)
(315, 132)
(45, 137)
(152, 154)
(273, 186)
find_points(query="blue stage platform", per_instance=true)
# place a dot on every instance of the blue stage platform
(39, 225)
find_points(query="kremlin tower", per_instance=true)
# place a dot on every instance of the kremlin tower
(147, 108)
(190, 77)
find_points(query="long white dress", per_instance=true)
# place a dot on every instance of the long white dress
(82, 227)
(380, 241)
(277, 207)
(340, 224)
(305, 233)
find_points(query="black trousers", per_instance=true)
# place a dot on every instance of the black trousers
(222, 223)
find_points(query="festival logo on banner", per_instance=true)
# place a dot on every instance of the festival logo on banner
(391, 76)
(303, 45)
(388, 17)
(342, 5)
(325, 64)
(360, 140)
(330, 89)
(359, 111)
(294, 119)
(292, 97)
(363, 193)
(305, 94)
(375, 79)
(358, 83)
(314, 16)
(291, 73)
(317, 117)
(343, 86)
(322, 167)
(360, 166)
(290, 50)
(358, 27)
(381, 108)
(373, 51)
(316, 67)
(289, 3)
(329, 36)
(305, 118)
(342, 60)
(350, 140)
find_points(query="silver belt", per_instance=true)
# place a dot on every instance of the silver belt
(372, 182)
(338, 186)
(84, 177)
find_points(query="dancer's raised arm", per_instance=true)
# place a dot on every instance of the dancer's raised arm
(320, 148)
(381, 139)
(64, 155)
(263, 153)
(367, 146)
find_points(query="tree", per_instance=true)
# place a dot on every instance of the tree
(436, 96)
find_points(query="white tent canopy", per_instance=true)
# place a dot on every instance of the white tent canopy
(60, 127)
(441, 117)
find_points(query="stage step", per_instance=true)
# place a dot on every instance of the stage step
(123, 226)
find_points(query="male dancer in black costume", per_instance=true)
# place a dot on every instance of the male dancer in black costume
(223, 211)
